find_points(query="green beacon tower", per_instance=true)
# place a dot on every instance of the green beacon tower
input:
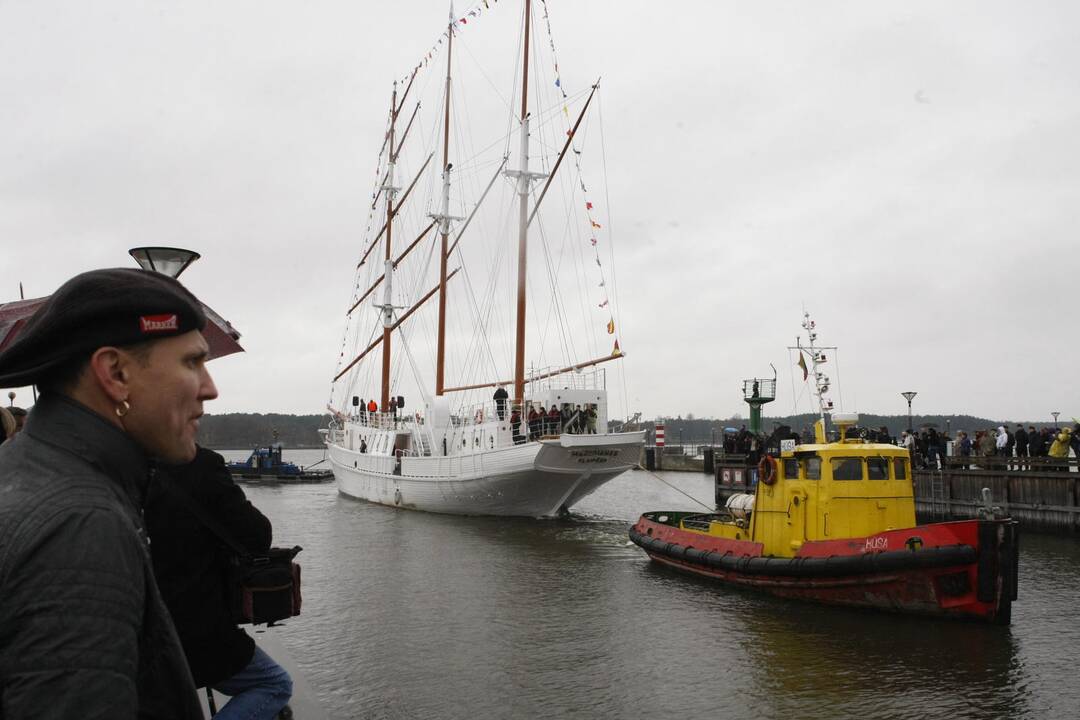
(757, 392)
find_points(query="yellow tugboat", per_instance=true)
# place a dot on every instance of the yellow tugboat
(834, 522)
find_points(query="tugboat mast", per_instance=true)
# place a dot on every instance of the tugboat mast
(821, 380)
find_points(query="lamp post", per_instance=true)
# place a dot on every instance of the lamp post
(165, 260)
(908, 396)
(11, 398)
(1055, 414)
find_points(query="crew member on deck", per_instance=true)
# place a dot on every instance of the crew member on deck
(553, 418)
(500, 397)
(515, 426)
(534, 423)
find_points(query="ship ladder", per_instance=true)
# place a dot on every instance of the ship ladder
(938, 503)
(425, 443)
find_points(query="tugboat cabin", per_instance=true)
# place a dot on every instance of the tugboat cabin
(850, 488)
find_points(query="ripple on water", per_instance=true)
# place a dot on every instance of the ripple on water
(410, 615)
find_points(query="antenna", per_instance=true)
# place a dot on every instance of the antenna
(818, 358)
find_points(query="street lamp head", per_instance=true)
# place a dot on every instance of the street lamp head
(165, 260)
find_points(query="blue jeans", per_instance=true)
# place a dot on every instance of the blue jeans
(257, 692)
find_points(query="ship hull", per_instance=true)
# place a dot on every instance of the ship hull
(539, 479)
(962, 570)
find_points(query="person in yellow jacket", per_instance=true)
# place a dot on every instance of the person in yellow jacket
(1060, 446)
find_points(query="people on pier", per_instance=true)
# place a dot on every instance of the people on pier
(500, 398)
(1036, 442)
(963, 447)
(1020, 438)
(1060, 447)
(191, 563)
(120, 362)
(1001, 439)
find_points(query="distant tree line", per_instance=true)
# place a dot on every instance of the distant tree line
(239, 431)
(701, 431)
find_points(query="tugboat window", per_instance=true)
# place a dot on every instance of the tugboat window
(791, 469)
(812, 468)
(847, 468)
(900, 469)
(877, 468)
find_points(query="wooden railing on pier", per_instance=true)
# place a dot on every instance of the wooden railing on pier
(1042, 493)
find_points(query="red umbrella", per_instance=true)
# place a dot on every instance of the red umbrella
(220, 335)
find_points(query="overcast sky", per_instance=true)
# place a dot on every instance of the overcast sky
(907, 171)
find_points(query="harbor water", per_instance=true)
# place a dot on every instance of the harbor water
(410, 615)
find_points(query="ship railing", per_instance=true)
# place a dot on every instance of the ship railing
(594, 379)
(380, 420)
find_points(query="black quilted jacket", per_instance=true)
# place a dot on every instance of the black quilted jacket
(83, 630)
(192, 564)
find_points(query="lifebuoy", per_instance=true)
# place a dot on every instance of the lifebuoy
(767, 469)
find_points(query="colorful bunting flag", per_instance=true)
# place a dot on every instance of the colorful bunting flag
(604, 304)
(593, 241)
(588, 205)
(616, 351)
(595, 224)
(611, 327)
(802, 364)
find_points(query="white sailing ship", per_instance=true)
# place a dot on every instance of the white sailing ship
(458, 449)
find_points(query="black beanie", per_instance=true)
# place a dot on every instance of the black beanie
(119, 306)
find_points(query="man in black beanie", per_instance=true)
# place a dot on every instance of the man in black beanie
(121, 363)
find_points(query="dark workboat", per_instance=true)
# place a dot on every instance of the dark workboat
(266, 464)
(834, 522)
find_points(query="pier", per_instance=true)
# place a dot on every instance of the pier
(1042, 493)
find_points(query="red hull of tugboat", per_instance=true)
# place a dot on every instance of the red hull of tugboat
(964, 570)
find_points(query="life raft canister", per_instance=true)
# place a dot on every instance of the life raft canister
(767, 469)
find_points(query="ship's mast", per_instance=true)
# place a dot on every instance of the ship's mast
(444, 218)
(387, 307)
(524, 178)
(817, 358)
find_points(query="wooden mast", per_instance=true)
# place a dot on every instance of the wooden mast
(523, 179)
(440, 354)
(388, 299)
